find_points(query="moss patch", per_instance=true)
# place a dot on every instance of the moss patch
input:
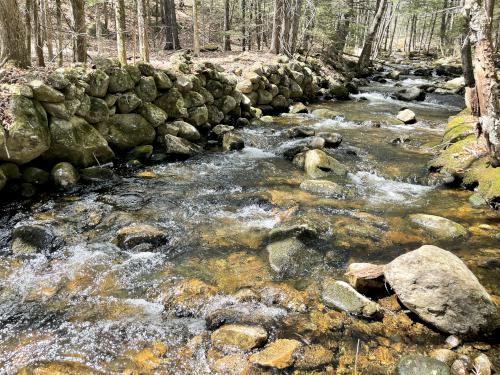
(456, 158)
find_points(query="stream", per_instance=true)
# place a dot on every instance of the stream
(96, 305)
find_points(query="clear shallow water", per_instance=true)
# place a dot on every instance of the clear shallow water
(95, 304)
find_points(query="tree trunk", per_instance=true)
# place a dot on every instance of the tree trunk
(243, 25)
(98, 27)
(143, 30)
(276, 31)
(434, 18)
(285, 27)
(120, 31)
(364, 58)
(171, 33)
(12, 35)
(27, 22)
(487, 85)
(294, 28)
(196, 29)
(443, 26)
(60, 57)
(78, 9)
(258, 23)
(38, 35)
(48, 29)
(227, 27)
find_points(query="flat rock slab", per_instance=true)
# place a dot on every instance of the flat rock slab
(440, 227)
(438, 287)
(341, 296)
(243, 337)
(279, 354)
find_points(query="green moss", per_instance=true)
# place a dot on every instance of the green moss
(489, 186)
(458, 132)
(456, 158)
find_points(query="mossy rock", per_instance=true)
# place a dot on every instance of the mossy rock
(98, 83)
(119, 80)
(489, 186)
(193, 99)
(10, 171)
(28, 135)
(64, 175)
(456, 158)
(162, 80)
(57, 109)
(198, 115)
(36, 176)
(172, 103)
(133, 72)
(98, 111)
(128, 102)
(154, 114)
(125, 131)
(457, 133)
(146, 89)
(44, 93)
(77, 142)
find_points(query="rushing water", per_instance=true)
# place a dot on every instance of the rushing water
(92, 303)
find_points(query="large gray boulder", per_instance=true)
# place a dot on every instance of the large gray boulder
(126, 131)
(28, 135)
(77, 142)
(438, 287)
(319, 164)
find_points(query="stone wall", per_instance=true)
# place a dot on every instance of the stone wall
(75, 119)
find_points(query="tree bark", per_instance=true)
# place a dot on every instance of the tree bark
(47, 21)
(120, 31)
(143, 30)
(27, 20)
(171, 33)
(487, 85)
(38, 34)
(276, 31)
(60, 57)
(243, 25)
(12, 35)
(196, 29)
(98, 27)
(294, 28)
(227, 27)
(78, 9)
(285, 28)
(364, 58)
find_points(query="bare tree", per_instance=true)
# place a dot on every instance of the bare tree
(143, 30)
(364, 58)
(60, 47)
(227, 27)
(196, 29)
(277, 20)
(171, 33)
(38, 34)
(13, 47)
(120, 31)
(79, 28)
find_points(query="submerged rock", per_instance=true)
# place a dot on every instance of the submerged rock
(420, 365)
(231, 141)
(319, 164)
(331, 139)
(325, 113)
(323, 187)
(341, 296)
(33, 238)
(243, 337)
(438, 287)
(279, 354)
(410, 93)
(298, 108)
(284, 255)
(132, 236)
(440, 227)
(97, 174)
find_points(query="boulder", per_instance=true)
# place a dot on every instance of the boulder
(64, 175)
(44, 93)
(98, 82)
(409, 94)
(146, 89)
(280, 354)
(10, 171)
(316, 143)
(420, 365)
(28, 135)
(339, 92)
(57, 109)
(178, 146)
(218, 131)
(439, 227)
(119, 80)
(300, 132)
(98, 111)
(285, 255)
(97, 174)
(407, 116)
(128, 102)
(162, 80)
(231, 141)
(153, 114)
(322, 187)
(32, 238)
(133, 236)
(172, 103)
(331, 139)
(227, 104)
(325, 113)
(180, 129)
(264, 97)
(298, 108)
(58, 80)
(341, 296)
(438, 287)
(319, 164)
(243, 337)
(77, 142)
(35, 176)
(198, 115)
(126, 131)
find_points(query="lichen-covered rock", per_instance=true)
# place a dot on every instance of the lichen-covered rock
(128, 102)
(264, 97)
(193, 99)
(198, 115)
(341, 296)
(10, 171)
(119, 80)
(215, 116)
(298, 108)
(57, 109)
(58, 80)
(44, 93)
(154, 114)
(28, 134)
(64, 175)
(134, 72)
(162, 80)
(440, 227)
(227, 104)
(98, 111)
(319, 164)
(438, 287)
(125, 131)
(146, 89)
(231, 141)
(98, 83)
(239, 336)
(173, 104)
